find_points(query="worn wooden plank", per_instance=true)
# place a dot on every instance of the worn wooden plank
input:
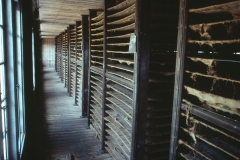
(179, 71)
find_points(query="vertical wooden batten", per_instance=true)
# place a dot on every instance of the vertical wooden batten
(181, 48)
(85, 65)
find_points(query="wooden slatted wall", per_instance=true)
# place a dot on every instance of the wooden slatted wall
(78, 70)
(72, 69)
(134, 52)
(96, 71)
(59, 46)
(65, 58)
(163, 44)
(209, 117)
(120, 78)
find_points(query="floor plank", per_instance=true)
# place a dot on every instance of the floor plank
(64, 130)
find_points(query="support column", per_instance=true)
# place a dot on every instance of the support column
(141, 73)
(85, 65)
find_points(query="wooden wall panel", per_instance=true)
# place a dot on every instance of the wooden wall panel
(207, 82)
(48, 52)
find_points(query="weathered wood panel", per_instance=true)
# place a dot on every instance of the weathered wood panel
(48, 52)
(208, 124)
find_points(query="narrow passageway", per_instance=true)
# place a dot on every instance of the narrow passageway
(64, 130)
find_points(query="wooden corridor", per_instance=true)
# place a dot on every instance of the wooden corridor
(64, 130)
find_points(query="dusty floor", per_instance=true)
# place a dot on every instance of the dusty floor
(63, 129)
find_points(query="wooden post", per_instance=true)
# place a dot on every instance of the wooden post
(181, 45)
(107, 4)
(85, 65)
(92, 13)
(141, 71)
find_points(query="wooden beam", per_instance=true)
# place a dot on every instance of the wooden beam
(85, 66)
(141, 77)
(179, 71)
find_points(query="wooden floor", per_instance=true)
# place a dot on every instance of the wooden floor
(64, 130)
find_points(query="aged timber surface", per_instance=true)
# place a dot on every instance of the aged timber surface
(64, 130)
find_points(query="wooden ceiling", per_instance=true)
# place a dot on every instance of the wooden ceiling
(56, 15)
